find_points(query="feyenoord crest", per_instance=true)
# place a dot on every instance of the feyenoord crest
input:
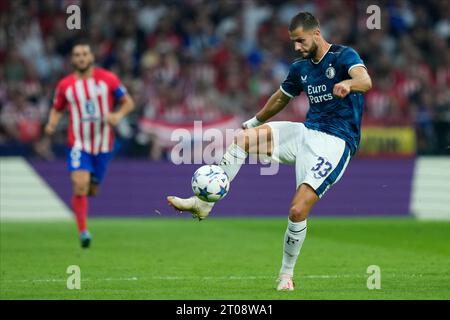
(330, 72)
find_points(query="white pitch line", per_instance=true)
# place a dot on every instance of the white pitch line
(318, 276)
(307, 276)
(64, 280)
(310, 276)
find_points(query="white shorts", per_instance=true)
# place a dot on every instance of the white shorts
(320, 159)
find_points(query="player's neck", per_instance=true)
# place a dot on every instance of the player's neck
(84, 75)
(321, 51)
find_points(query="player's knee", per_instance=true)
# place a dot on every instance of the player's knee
(80, 190)
(298, 213)
(80, 187)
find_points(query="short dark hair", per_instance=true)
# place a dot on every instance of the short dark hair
(81, 42)
(305, 20)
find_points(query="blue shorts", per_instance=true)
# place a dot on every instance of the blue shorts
(95, 164)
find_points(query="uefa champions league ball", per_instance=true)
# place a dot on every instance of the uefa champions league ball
(210, 183)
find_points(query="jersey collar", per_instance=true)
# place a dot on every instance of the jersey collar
(323, 55)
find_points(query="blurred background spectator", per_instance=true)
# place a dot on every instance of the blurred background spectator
(203, 60)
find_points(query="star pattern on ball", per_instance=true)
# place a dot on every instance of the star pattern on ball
(222, 191)
(203, 192)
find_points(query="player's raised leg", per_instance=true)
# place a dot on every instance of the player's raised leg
(80, 182)
(295, 234)
(248, 141)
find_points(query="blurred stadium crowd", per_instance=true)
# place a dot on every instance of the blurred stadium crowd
(195, 59)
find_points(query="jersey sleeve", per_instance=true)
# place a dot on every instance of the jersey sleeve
(291, 86)
(59, 100)
(117, 88)
(350, 59)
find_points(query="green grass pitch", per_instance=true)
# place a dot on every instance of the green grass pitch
(225, 258)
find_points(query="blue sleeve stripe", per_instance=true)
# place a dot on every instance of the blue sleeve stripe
(286, 93)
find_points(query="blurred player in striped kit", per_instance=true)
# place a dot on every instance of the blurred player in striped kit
(89, 94)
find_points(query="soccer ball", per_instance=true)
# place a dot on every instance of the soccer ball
(210, 183)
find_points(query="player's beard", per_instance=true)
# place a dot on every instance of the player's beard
(83, 70)
(311, 52)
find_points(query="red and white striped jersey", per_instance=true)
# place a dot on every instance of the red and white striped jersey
(89, 101)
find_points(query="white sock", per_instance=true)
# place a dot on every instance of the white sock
(293, 240)
(232, 160)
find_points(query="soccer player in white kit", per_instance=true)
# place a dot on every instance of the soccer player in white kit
(335, 79)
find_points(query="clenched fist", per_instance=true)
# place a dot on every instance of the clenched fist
(341, 89)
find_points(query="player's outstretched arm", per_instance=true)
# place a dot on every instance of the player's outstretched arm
(360, 82)
(126, 106)
(275, 104)
(53, 120)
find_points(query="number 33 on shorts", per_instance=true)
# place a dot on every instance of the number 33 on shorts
(322, 168)
(326, 171)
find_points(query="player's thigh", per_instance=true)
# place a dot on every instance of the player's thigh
(322, 161)
(255, 140)
(79, 164)
(287, 138)
(302, 203)
(80, 178)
